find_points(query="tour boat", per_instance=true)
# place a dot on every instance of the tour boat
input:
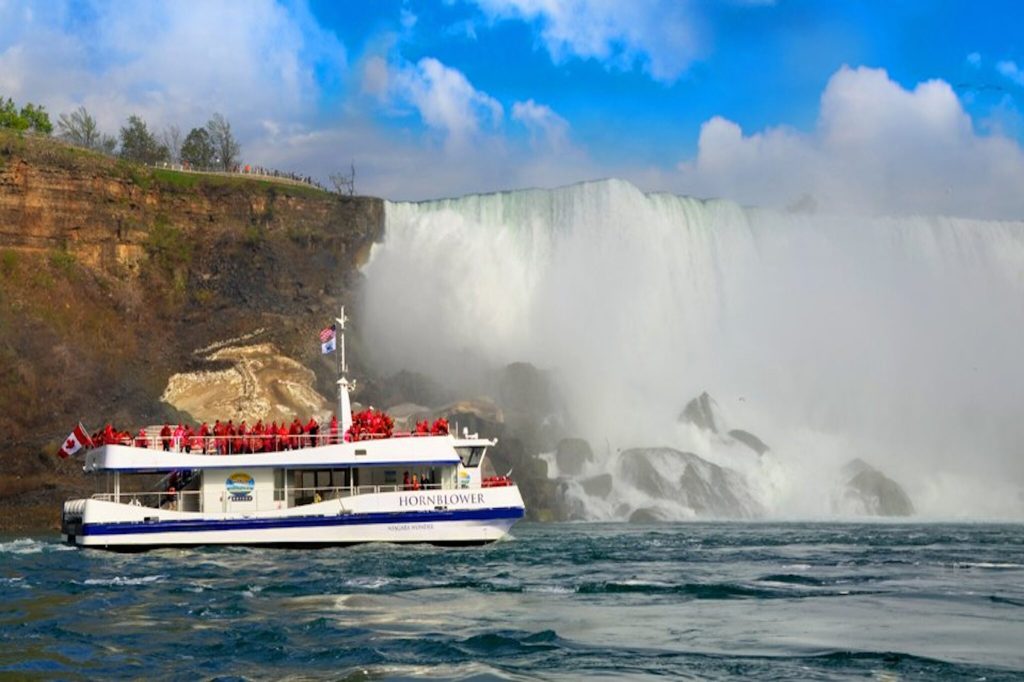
(422, 488)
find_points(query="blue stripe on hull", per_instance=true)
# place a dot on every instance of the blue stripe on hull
(204, 525)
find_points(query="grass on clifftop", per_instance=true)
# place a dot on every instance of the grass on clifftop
(55, 150)
(181, 180)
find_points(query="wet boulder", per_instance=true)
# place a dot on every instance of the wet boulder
(750, 440)
(572, 456)
(479, 415)
(692, 483)
(646, 515)
(407, 414)
(701, 413)
(868, 491)
(598, 486)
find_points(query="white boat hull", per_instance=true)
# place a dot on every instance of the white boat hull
(455, 517)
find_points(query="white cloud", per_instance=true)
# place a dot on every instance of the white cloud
(657, 35)
(444, 98)
(974, 59)
(545, 126)
(1011, 71)
(878, 147)
(169, 62)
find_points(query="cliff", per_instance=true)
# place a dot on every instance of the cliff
(113, 274)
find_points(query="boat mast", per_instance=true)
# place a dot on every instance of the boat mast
(344, 404)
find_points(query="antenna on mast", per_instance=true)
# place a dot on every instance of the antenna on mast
(344, 403)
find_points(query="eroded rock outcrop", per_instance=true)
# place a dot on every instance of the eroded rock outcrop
(688, 482)
(867, 491)
(260, 384)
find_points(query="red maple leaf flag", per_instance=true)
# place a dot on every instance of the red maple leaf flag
(77, 440)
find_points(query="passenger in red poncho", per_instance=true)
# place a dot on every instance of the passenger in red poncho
(257, 436)
(187, 438)
(204, 437)
(270, 439)
(295, 434)
(282, 437)
(141, 441)
(165, 437)
(334, 429)
(312, 431)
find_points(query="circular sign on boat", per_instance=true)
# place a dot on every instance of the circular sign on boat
(240, 484)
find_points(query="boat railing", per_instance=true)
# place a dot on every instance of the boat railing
(193, 500)
(181, 500)
(247, 444)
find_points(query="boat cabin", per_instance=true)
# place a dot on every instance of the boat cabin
(274, 481)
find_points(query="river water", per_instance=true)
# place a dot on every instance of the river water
(558, 601)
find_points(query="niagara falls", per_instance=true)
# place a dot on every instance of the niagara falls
(833, 338)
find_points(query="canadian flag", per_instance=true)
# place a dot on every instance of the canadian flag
(76, 441)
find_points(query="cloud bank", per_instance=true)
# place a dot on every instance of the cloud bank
(423, 128)
(658, 36)
(877, 148)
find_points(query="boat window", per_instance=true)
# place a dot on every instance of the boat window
(361, 451)
(470, 455)
(323, 479)
(278, 484)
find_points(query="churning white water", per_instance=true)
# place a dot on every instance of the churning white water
(896, 340)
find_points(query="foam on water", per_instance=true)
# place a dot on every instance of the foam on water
(120, 581)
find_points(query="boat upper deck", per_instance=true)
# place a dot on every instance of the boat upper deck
(397, 451)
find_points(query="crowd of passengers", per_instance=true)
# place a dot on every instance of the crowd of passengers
(227, 438)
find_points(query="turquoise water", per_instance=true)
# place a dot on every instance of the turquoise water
(707, 600)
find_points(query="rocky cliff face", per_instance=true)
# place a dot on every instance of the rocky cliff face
(113, 276)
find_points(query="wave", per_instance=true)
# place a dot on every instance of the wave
(122, 581)
(712, 591)
(32, 546)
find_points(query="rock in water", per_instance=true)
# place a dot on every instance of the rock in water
(572, 456)
(649, 515)
(598, 486)
(700, 412)
(689, 481)
(868, 491)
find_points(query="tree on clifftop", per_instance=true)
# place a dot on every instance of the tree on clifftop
(31, 117)
(171, 138)
(197, 150)
(80, 129)
(138, 144)
(225, 145)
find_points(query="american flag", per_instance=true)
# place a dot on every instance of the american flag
(326, 334)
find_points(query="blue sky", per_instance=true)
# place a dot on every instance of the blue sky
(755, 100)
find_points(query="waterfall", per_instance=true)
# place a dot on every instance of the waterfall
(897, 340)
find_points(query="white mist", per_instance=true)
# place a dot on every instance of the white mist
(895, 340)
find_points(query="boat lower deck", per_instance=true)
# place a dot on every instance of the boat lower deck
(436, 526)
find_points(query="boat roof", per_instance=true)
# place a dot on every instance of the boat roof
(412, 451)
